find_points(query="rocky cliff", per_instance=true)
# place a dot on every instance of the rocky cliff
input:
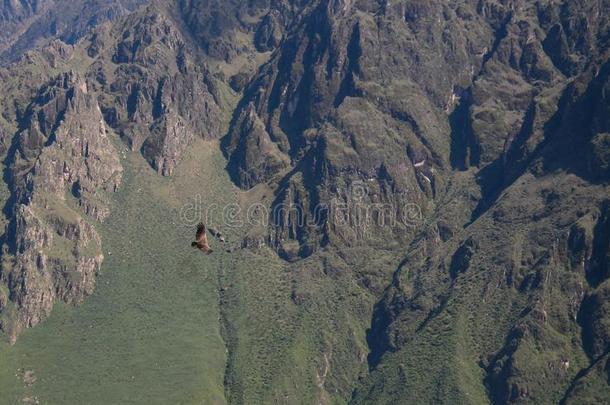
(26, 24)
(437, 174)
(156, 94)
(141, 83)
(63, 164)
(490, 118)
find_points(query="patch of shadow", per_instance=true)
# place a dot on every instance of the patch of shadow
(465, 151)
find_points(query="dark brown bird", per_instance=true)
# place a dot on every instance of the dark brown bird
(201, 241)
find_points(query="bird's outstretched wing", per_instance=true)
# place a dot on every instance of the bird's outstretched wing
(202, 239)
(200, 232)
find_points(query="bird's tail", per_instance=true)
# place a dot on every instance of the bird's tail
(194, 244)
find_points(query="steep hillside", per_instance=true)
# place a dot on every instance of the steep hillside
(415, 197)
(402, 98)
(150, 332)
(143, 86)
(26, 24)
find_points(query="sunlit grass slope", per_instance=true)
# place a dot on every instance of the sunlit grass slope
(151, 331)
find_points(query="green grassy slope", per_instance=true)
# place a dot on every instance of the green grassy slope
(151, 331)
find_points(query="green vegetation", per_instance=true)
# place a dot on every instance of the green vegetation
(151, 331)
(484, 124)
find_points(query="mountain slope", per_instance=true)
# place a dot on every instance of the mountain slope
(526, 123)
(30, 23)
(421, 210)
(150, 332)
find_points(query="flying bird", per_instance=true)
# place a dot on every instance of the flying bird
(201, 241)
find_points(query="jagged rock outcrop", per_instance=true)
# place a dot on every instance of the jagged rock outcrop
(337, 108)
(63, 164)
(18, 10)
(161, 98)
(269, 32)
(26, 24)
(221, 27)
(399, 98)
(145, 83)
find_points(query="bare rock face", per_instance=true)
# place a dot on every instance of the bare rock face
(63, 167)
(16, 11)
(268, 32)
(26, 24)
(161, 99)
(345, 116)
(490, 116)
(216, 25)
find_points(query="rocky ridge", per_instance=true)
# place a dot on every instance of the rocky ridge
(142, 84)
(30, 23)
(473, 133)
(62, 165)
(470, 111)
